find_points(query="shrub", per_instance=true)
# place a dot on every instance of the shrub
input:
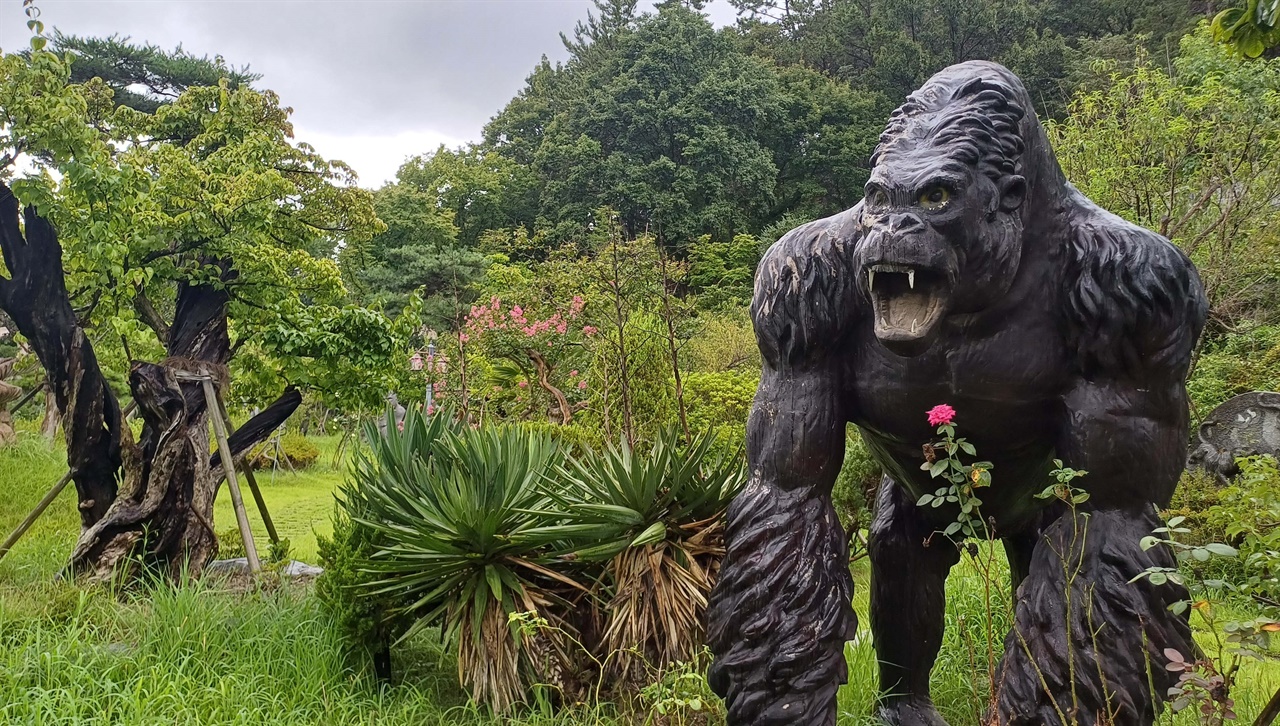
(855, 489)
(491, 533)
(1240, 362)
(230, 544)
(721, 399)
(655, 520)
(463, 541)
(1248, 512)
(1198, 493)
(292, 450)
(371, 621)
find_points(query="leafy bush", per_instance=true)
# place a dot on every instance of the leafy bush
(1248, 360)
(483, 530)
(1248, 513)
(855, 489)
(230, 544)
(293, 451)
(720, 403)
(371, 621)
(461, 542)
(655, 519)
(1198, 493)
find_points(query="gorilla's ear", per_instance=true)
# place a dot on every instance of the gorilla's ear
(1013, 191)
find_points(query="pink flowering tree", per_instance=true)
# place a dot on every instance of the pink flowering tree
(544, 342)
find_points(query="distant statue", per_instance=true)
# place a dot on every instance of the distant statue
(397, 413)
(1246, 425)
(972, 274)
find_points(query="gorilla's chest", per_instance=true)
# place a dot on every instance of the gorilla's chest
(1005, 384)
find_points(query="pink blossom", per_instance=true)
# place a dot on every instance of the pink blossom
(400, 425)
(431, 410)
(573, 373)
(517, 311)
(464, 337)
(941, 415)
(562, 328)
(523, 384)
(582, 384)
(588, 330)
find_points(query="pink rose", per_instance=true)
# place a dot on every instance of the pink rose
(523, 384)
(941, 415)
(582, 384)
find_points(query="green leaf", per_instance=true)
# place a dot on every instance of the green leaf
(938, 467)
(495, 582)
(1221, 550)
(655, 532)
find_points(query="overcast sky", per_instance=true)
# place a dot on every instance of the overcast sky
(370, 81)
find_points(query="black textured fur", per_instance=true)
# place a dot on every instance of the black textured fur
(1063, 332)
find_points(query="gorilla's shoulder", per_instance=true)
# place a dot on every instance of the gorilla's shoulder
(805, 289)
(1134, 303)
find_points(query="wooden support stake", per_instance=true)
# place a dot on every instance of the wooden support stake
(224, 449)
(35, 514)
(48, 498)
(250, 478)
(29, 395)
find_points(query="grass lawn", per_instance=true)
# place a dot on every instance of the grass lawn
(300, 503)
(197, 655)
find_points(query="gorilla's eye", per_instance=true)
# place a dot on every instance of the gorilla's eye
(935, 197)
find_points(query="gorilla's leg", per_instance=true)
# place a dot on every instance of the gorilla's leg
(908, 605)
(782, 609)
(1086, 643)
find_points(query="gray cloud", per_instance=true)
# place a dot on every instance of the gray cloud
(364, 77)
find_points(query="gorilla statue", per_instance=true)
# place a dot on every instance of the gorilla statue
(971, 274)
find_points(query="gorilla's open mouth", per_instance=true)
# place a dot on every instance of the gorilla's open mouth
(908, 303)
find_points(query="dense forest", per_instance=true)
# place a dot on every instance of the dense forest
(580, 274)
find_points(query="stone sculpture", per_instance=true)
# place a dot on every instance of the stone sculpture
(972, 274)
(1246, 425)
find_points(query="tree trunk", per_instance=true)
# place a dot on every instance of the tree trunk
(544, 380)
(52, 417)
(35, 296)
(162, 519)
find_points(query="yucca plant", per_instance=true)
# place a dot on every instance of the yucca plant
(656, 518)
(468, 541)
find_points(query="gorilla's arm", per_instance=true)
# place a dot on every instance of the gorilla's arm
(1135, 309)
(781, 612)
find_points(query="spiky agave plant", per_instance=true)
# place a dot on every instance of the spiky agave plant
(657, 519)
(468, 541)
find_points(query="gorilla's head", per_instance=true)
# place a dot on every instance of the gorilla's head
(943, 211)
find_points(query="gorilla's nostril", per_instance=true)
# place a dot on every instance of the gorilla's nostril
(904, 223)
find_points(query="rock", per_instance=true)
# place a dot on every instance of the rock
(301, 569)
(240, 566)
(1246, 425)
